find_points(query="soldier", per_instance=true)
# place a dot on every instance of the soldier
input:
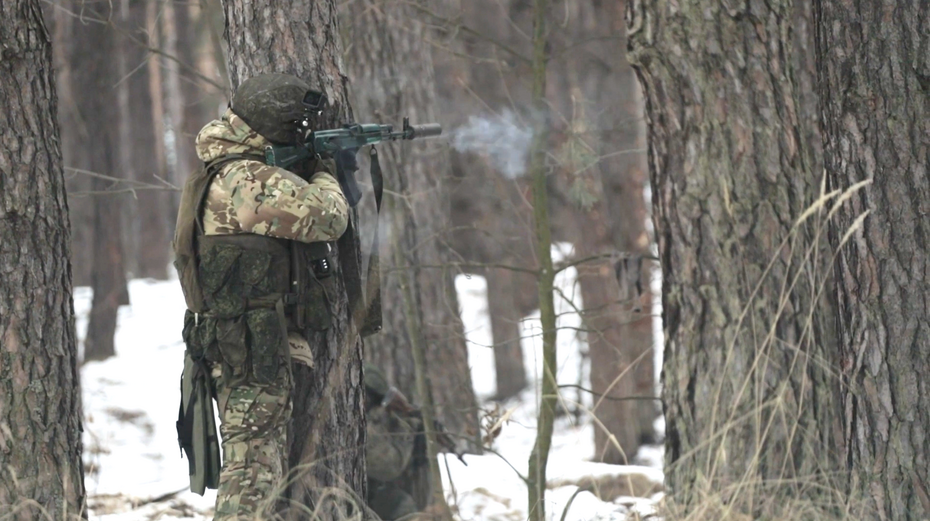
(392, 439)
(253, 255)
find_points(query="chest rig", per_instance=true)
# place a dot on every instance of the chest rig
(246, 292)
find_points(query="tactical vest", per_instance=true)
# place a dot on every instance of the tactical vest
(245, 292)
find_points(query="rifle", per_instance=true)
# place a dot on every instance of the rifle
(395, 401)
(354, 136)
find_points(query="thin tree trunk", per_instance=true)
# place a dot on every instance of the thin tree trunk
(95, 74)
(142, 150)
(506, 330)
(41, 473)
(750, 392)
(74, 132)
(536, 482)
(327, 433)
(874, 65)
(599, 101)
(196, 95)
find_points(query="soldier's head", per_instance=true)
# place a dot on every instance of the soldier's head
(376, 385)
(277, 106)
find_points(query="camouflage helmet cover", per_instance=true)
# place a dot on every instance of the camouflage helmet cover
(273, 105)
(375, 382)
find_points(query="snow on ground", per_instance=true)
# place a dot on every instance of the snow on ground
(131, 400)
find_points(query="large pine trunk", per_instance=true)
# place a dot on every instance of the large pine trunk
(94, 76)
(750, 392)
(41, 473)
(874, 65)
(327, 434)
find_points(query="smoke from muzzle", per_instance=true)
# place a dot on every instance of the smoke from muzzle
(500, 137)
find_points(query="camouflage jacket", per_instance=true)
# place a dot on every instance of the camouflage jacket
(249, 196)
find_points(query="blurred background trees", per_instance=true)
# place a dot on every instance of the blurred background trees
(139, 78)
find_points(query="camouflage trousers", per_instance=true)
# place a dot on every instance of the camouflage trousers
(253, 429)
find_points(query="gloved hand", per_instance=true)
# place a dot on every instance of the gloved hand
(346, 166)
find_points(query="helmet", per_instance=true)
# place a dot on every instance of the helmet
(375, 382)
(277, 106)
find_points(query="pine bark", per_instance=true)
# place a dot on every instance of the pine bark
(750, 392)
(95, 74)
(874, 78)
(41, 472)
(327, 434)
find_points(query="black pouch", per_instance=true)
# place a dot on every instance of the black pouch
(319, 309)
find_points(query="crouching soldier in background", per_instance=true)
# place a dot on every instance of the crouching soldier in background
(392, 442)
(252, 251)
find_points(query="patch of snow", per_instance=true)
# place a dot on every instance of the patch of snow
(131, 403)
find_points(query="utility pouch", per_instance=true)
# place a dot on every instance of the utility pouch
(319, 308)
(267, 343)
(232, 344)
(196, 426)
(312, 272)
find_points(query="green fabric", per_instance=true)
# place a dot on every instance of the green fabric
(375, 381)
(197, 407)
(389, 501)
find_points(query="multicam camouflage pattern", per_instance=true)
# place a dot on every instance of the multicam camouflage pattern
(248, 196)
(253, 429)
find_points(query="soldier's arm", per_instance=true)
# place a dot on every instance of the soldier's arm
(272, 201)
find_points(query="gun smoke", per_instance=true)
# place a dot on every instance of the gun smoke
(501, 137)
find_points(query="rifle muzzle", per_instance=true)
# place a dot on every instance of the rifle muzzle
(425, 130)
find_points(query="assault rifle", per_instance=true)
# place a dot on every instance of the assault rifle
(395, 401)
(327, 143)
(356, 135)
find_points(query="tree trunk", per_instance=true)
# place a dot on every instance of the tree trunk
(751, 400)
(327, 433)
(41, 473)
(602, 190)
(390, 64)
(506, 330)
(74, 133)
(392, 76)
(875, 83)
(490, 216)
(198, 97)
(142, 150)
(95, 75)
